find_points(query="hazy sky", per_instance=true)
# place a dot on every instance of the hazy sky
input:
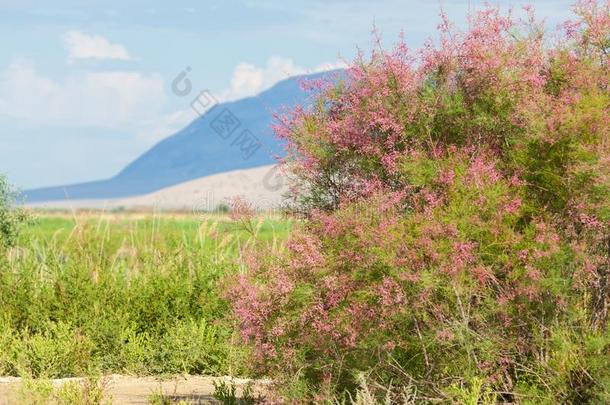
(85, 86)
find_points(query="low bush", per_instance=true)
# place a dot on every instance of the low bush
(89, 391)
(11, 217)
(120, 295)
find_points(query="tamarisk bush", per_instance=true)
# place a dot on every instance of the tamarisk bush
(457, 221)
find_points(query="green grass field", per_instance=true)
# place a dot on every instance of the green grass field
(123, 293)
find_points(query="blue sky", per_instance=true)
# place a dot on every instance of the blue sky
(85, 86)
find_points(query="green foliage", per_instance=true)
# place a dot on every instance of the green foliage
(11, 217)
(55, 350)
(88, 391)
(474, 393)
(227, 393)
(159, 398)
(121, 295)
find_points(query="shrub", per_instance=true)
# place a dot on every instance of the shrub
(227, 393)
(118, 295)
(88, 391)
(11, 218)
(194, 348)
(457, 204)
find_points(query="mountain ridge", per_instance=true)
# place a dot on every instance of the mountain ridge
(223, 139)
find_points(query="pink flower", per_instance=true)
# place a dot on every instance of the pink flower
(390, 293)
(241, 209)
(447, 176)
(462, 255)
(513, 206)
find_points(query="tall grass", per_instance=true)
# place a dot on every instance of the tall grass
(122, 294)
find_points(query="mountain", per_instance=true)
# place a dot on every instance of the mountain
(263, 187)
(229, 136)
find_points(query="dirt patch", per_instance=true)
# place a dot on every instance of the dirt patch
(135, 390)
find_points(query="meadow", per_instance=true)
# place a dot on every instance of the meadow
(102, 293)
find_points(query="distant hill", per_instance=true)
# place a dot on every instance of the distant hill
(262, 186)
(223, 139)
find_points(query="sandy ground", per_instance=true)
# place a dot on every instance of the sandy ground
(137, 390)
(262, 186)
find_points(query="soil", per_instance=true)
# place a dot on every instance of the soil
(130, 390)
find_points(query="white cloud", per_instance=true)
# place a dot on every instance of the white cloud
(100, 99)
(83, 46)
(249, 80)
(131, 102)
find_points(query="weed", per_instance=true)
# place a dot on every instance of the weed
(88, 391)
(226, 393)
